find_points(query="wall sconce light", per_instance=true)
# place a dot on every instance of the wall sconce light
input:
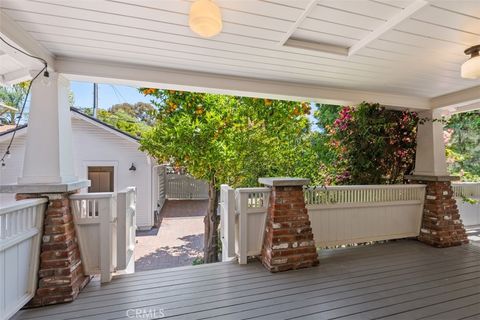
(132, 167)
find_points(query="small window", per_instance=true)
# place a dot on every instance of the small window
(101, 179)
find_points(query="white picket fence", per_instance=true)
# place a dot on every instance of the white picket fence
(20, 234)
(105, 227)
(339, 215)
(185, 187)
(469, 212)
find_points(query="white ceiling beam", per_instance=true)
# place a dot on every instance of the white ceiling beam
(310, 6)
(17, 37)
(457, 99)
(316, 46)
(466, 108)
(147, 76)
(390, 24)
(16, 76)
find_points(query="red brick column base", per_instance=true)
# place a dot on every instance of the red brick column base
(60, 277)
(288, 241)
(441, 223)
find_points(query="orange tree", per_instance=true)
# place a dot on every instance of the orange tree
(228, 139)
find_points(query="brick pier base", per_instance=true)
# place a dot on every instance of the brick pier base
(288, 242)
(60, 276)
(441, 223)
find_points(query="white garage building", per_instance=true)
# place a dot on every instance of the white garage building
(109, 158)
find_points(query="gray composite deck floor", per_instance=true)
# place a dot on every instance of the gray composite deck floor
(398, 280)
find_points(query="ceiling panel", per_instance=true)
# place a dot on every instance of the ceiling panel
(324, 13)
(466, 7)
(420, 56)
(370, 9)
(8, 64)
(449, 19)
(343, 30)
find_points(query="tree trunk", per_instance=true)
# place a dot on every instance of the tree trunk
(211, 226)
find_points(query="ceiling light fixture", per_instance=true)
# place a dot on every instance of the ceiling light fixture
(205, 18)
(471, 67)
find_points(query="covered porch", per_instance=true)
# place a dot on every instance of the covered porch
(406, 55)
(396, 280)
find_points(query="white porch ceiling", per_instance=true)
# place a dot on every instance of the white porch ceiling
(419, 56)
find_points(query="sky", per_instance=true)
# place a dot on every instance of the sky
(108, 94)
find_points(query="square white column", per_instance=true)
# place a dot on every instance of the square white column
(48, 152)
(430, 155)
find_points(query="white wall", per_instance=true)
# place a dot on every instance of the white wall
(14, 165)
(94, 146)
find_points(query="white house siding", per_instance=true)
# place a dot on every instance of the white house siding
(14, 165)
(95, 146)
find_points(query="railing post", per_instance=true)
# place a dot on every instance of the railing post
(227, 220)
(242, 205)
(107, 214)
(126, 226)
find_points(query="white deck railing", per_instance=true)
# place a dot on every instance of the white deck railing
(226, 208)
(352, 214)
(127, 225)
(466, 189)
(106, 235)
(336, 195)
(251, 207)
(20, 233)
(243, 212)
(339, 215)
(469, 210)
(95, 224)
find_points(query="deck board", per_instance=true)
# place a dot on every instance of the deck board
(397, 280)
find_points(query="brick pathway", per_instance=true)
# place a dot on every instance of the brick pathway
(177, 242)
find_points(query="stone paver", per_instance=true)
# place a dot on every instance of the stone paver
(177, 242)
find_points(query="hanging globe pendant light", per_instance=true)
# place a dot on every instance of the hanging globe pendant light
(205, 18)
(471, 67)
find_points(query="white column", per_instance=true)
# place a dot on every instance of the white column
(430, 156)
(48, 152)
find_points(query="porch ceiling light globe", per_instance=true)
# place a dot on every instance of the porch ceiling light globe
(471, 67)
(205, 18)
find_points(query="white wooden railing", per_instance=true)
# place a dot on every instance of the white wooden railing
(353, 214)
(466, 189)
(185, 187)
(243, 211)
(95, 219)
(467, 195)
(127, 225)
(336, 195)
(339, 215)
(226, 208)
(105, 227)
(20, 233)
(251, 207)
